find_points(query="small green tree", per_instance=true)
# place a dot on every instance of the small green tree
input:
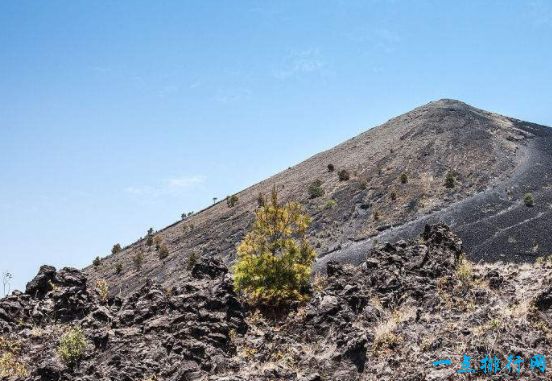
(192, 260)
(404, 178)
(138, 260)
(231, 201)
(118, 268)
(102, 289)
(163, 251)
(116, 248)
(97, 262)
(331, 168)
(450, 180)
(72, 346)
(315, 189)
(528, 199)
(343, 175)
(260, 200)
(275, 260)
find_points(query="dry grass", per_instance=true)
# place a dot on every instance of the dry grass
(10, 363)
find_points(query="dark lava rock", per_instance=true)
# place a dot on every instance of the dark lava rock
(178, 334)
(40, 285)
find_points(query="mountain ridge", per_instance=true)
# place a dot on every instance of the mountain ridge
(481, 148)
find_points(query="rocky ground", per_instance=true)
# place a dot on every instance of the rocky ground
(407, 305)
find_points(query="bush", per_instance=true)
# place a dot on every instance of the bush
(157, 240)
(343, 175)
(102, 288)
(116, 248)
(72, 346)
(275, 260)
(96, 262)
(404, 178)
(163, 251)
(10, 363)
(231, 201)
(149, 240)
(186, 215)
(118, 268)
(450, 180)
(393, 196)
(192, 261)
(376, 216)
(260, 200)
(315, 189)
(331, 168)
(330, 204)
(11, 366)
(138, 260)
(528, 199)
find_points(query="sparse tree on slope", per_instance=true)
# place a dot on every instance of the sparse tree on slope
(275, 259)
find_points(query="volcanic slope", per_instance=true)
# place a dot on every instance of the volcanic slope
(385, 184)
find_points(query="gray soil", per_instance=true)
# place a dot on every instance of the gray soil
(495, 224)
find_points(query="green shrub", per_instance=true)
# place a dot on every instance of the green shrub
(231, 201)
(260, 200)
(393, 196)
(163, 251)
(72, 346)
(192, 261)
(315, 189)
(450, 180)
(186, 215)
(331, 168)
(138, 260)
(343, 175)
(149, 240)
(116, 248)
(118, 268)
(528, 199)
(157, 240)
(376, 215)
(96, 262)
(11, 366)
(102, 288)
(404, 178)
(330, 204)
(275, 260)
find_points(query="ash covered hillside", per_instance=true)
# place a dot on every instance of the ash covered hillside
(445, 161)
(407, 305)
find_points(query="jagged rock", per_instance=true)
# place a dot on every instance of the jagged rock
(208, 267)
(40, 285)
(49, 370)
(364, 323)
(71, 277)
(543, 301)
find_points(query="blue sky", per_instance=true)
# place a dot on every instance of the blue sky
(118, 116)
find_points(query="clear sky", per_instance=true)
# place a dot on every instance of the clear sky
(118, 116)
